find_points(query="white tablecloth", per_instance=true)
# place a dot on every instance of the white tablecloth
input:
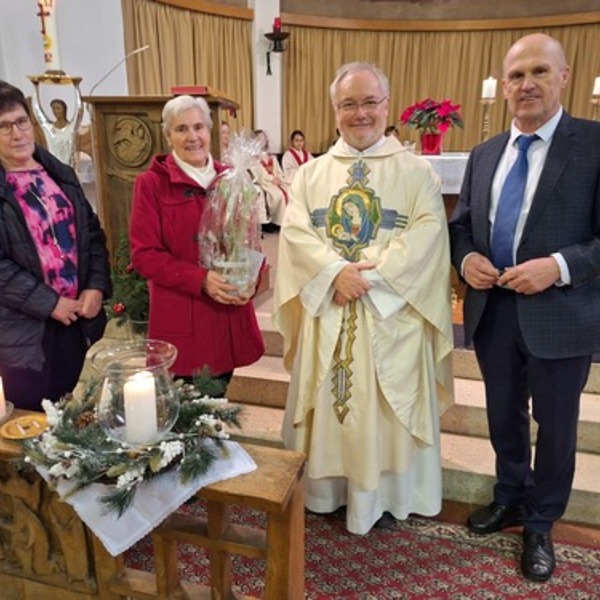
(450, 166)
(153, 502)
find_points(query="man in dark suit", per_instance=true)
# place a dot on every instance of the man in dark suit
(532, 311)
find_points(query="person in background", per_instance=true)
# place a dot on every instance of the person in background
(54, 270)
(392, 130)
(362, 298)
(270, 179)
(225, 139)
(526, 238)
(195, 309)
(295, 156)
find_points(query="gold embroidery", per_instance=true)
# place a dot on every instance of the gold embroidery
(342, 367)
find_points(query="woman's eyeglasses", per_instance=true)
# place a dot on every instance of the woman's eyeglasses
(22, 124)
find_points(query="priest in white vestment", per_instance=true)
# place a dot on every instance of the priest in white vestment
(362, 298)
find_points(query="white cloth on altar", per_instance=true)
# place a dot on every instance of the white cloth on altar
(153, 501)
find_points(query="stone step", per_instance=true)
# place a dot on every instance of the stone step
(468, 476)
(464, 362)
(467, 463)
(266, 382)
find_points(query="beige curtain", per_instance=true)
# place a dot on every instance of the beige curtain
(189, 48)
(422, 64)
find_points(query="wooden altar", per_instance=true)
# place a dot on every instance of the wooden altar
(126, 134)
(46, 552)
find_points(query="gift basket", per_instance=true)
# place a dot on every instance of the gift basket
(229, 235)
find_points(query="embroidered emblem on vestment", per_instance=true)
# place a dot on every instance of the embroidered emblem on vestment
(354, 214)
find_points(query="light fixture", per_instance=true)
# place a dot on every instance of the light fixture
(276, 39)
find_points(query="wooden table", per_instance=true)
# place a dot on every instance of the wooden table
(47, 552)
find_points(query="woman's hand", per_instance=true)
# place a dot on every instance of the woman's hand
(67, 310)
(220, 291)
(92, 303)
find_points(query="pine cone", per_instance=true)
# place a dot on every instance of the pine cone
(85, 419)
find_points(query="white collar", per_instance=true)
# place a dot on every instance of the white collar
(351, 150)
(201, 175)
(545, 132)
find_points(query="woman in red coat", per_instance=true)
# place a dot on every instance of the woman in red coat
(193, 308)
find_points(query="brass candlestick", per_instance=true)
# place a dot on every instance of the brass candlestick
(596, 107)
(487, 104)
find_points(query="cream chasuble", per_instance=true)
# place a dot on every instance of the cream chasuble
(370, 378)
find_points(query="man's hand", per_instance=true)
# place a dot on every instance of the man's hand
(479, 272)
(349, 284)
(532, 276)
(66, 310)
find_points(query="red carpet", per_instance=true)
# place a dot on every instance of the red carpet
(419, 558)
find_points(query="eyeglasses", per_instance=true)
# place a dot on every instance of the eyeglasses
(22, 124)
(367, 105)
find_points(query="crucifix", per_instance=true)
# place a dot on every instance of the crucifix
(41, 15)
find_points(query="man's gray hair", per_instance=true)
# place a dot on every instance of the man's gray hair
(355, 67)
(180, 104)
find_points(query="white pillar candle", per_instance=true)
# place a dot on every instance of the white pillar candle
(488, 88)
(140, 408)
(2, 400)
(47, 14)
(596, 91)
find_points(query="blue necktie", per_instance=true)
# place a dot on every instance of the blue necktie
(509, 206)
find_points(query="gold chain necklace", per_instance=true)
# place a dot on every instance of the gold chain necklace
(49, 218)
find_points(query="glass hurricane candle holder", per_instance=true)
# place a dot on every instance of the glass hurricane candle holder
(139, 402)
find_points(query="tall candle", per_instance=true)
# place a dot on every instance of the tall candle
(47, 14)
(596, 91)
(2, 400)
(277, 24)
(140, 408)
(488, 88)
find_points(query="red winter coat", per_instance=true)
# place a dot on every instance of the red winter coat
(165, 216)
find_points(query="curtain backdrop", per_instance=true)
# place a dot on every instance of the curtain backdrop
(422, 64)
(189, 48)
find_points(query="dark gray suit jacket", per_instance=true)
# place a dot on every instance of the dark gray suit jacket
(563, 321)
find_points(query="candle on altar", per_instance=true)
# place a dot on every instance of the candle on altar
(488, 88)
(47, 14)
(2, 400)
(277, 24)
(140, 408)
(596, 91)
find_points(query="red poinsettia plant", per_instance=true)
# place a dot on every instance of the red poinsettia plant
(431, 116)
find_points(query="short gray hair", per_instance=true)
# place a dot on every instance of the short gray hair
(355, 67)
(180, 104)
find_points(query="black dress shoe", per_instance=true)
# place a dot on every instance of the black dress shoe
(495, 517)
(385, 521)
(537, 560)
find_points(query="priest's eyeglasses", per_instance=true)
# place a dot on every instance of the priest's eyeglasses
(22, 124)
(353, 107)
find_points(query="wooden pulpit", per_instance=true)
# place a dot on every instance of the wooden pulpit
(126, 134)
